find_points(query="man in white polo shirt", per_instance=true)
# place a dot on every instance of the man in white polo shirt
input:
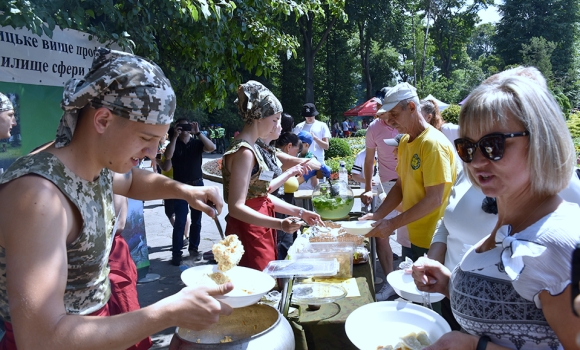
(319, 131)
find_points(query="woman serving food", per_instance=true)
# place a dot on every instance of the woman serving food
(247, 179)
(511, 290)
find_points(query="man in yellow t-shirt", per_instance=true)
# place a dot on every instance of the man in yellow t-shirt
(426, 170)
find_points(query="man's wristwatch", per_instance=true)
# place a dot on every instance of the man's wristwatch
(197, 133)
(300, 213)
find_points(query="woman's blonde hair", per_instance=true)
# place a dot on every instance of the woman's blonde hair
(551, 154)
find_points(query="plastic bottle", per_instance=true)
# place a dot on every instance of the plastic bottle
(342, 173)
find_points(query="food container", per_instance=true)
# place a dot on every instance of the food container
(360, 255)
(341, 251)
(302, 268)
(332, 201)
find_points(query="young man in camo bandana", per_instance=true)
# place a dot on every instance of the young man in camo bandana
(57, 219)
(7, 120)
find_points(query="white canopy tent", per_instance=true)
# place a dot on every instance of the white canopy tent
(442, 105)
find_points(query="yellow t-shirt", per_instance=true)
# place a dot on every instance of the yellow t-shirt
(168, 173)
(427, 161)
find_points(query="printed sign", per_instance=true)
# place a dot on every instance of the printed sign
(39, 60)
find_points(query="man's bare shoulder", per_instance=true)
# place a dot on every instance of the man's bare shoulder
(29, 201)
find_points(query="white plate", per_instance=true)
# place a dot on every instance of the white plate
(360, 228)
(249, 284)
(405, 287)
(383, 323)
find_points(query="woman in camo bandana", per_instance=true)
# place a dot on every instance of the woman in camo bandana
(7, 120)
(251, 208)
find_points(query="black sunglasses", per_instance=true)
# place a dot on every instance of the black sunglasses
(491, 146)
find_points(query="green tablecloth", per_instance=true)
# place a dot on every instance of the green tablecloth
(324, 328)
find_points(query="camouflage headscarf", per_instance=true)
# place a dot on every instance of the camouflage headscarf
(128, 85)
(5, 103)
(255, 101)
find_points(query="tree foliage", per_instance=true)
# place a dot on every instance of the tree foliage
(556, 21)
(202, 45)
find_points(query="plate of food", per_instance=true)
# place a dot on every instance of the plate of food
(360, 228)
(409, 326)
(405, 287)
(249, 284)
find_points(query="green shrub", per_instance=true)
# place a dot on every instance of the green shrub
(563, 102)
(451, 114)
(360, 133)
(334, 163)
(573, 123)
(338, 148)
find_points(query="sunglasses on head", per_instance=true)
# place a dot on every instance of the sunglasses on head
(491, 146)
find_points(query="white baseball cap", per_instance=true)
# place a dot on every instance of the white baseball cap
(394, 142)
(396, 94)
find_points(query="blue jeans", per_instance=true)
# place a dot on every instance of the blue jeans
(182, 208)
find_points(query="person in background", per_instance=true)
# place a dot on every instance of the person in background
(123, 272)
(318, 130)
(251, 208)
(7, 119)
(289, 143)
(432, 115)
(345, 128)
(309, 181)
(169, 204)
(364, 124)
(220, 139)
(50, 291)
(204, 131)
(269, 154)
(185, 154)
(377, 132)
(336, 130)
(213, 135)
(287, 122)
(526, 254)
(358, 173)
(352, 127)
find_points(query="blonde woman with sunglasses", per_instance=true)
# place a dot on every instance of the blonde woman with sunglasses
(511, 290)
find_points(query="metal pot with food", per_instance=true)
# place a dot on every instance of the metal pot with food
(254, 327)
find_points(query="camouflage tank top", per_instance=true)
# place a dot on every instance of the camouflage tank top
(257, 188)
(87, 286)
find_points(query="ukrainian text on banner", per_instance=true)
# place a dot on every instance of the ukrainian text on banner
(27, 58)
(33, 70)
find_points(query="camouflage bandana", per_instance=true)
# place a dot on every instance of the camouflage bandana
(255, 101)
(128, 85)
(5, 103)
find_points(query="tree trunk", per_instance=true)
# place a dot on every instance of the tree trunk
(425, 43)
(414, 50)
(310, 51)
(306, 29)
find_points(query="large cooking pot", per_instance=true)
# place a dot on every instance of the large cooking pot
(332, 201)
(255, 327)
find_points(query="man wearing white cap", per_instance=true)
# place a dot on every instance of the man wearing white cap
(377, 131)
(426, 169)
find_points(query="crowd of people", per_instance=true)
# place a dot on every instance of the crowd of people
(485, 208)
